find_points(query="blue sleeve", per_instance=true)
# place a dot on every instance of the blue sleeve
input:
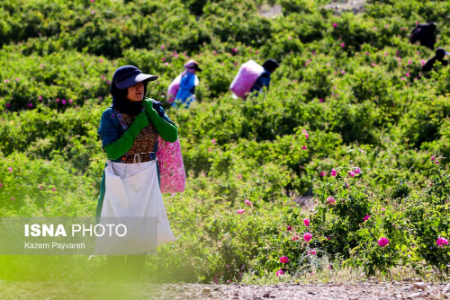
(257, 86)
(265, 80)
(109, 130)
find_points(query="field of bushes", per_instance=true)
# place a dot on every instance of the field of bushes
(348, 118)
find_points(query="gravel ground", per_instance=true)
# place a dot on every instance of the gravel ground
(340, 6)
(362, 290)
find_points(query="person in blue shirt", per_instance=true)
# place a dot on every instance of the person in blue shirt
(263, 80)
(188, 82)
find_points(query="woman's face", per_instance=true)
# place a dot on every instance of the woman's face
(136, 92)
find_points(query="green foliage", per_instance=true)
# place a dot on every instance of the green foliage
(345, 96)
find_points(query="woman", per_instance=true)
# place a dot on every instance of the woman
(129, 131)
(188, 82)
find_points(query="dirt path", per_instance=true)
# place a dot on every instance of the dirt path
(181, 291)
(340, 6)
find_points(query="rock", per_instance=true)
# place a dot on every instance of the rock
(420, 286)
(446, 289)
(206, 291)
(415, 295)
(266, 295)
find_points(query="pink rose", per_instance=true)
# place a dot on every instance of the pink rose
(284, 259)
(331, 200)
(366, 218)
(10, 170)
(295, 238)
(333, 173)
(246, 201)
(334, 25)
(442, 242)
(279, 272)
(307, 237)
(383, 242)
(240, 211)
(289, 228)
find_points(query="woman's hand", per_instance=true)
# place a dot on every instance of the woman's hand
(166, 130)
(141, 120)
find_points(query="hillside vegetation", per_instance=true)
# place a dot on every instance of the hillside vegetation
(347, 97)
